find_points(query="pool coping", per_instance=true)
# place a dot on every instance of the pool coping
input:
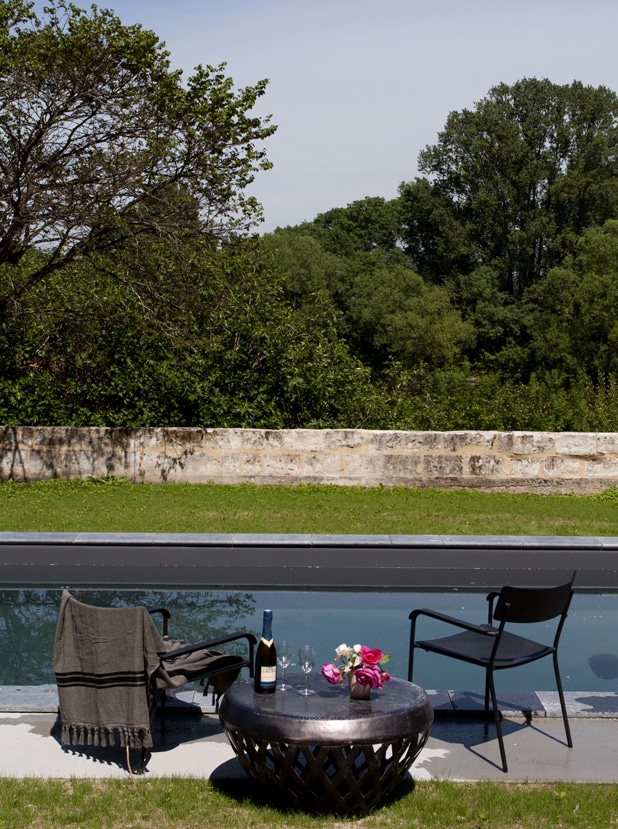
(310, 561)
(43, 699)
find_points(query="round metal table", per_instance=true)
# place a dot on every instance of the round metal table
(327, 752)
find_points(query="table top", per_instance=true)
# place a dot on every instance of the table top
(329, 715)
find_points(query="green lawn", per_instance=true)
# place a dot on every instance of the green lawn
(118, 506)
(196, 804)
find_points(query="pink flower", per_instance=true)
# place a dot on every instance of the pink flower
(385, 676)
(371, 675)
(332, 674)
(371, 656)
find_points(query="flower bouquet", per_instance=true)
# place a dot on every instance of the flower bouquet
(361, 665)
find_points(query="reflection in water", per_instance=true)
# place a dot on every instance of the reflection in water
(604, 665)
(28, 622)
(325, 619)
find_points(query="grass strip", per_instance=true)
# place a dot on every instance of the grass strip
(171, 803)
(115, 505)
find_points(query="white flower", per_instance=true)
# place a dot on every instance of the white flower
(343, 650)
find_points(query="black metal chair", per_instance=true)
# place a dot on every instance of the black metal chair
(495, 648)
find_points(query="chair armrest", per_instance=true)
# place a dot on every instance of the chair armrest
(485, 630)
(491, 599)
(211, 643)
(164, 613)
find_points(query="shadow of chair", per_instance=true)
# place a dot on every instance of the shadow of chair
(112, 665)
(495, 647)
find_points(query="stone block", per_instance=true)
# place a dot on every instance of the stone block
(363, 467)
(401, 466)
(16, 436)
(440, 465)
(224, 439)
(421, 441)
(12, 467)
(555, 466)
(9, 438)
(384, 441)
(607, 443)
(526, 467)
(266, 439)
(532, 443)
(77, 463)
(230, 464)
(322, 463)
(455, 441)
(503, 442)
(118, 439)
(345, 438)
(304, 440)
(601, 467)
(486, 465)
(251, 463)
(576, 444)
(185, 439)
(279, 465)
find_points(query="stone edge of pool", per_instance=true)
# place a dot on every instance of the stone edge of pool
(41, 699)
(271, 561)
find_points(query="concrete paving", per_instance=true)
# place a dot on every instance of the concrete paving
(462, 745)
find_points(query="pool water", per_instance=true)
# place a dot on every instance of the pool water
(326, 619)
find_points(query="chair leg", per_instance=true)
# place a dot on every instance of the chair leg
(411, 660)
(411, 655)
(494, 705)
(565, 718)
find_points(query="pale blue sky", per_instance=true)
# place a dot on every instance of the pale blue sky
(358, 88)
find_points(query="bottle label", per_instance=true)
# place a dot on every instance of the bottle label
(268, 675)
(267, 642)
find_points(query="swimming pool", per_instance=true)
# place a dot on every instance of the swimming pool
(588, 654)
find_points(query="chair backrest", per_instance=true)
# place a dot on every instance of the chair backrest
(533, 604)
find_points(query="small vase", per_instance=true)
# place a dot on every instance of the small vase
(358, 691)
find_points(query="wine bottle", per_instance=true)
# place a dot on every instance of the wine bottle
(266, 658)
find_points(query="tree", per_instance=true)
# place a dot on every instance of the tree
(574, 328)
(100, 142)
(382, 308)
(515, 182)
(364, 225)
(392, 313)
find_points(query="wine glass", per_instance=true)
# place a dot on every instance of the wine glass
(306, 660)
(285, 655)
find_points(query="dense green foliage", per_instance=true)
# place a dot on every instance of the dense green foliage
(483, 296)
(215, 345)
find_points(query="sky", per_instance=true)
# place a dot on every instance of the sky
(358, 88)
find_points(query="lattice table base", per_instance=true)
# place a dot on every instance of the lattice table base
(340, 779)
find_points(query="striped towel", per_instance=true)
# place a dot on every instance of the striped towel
(108, 660)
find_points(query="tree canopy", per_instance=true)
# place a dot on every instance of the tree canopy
(514, 182)
(101, 142)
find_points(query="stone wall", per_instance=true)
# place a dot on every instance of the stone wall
(510, 461)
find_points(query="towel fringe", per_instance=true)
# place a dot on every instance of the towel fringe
(110, 736)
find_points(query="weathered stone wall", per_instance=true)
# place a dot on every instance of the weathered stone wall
(511, 461)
